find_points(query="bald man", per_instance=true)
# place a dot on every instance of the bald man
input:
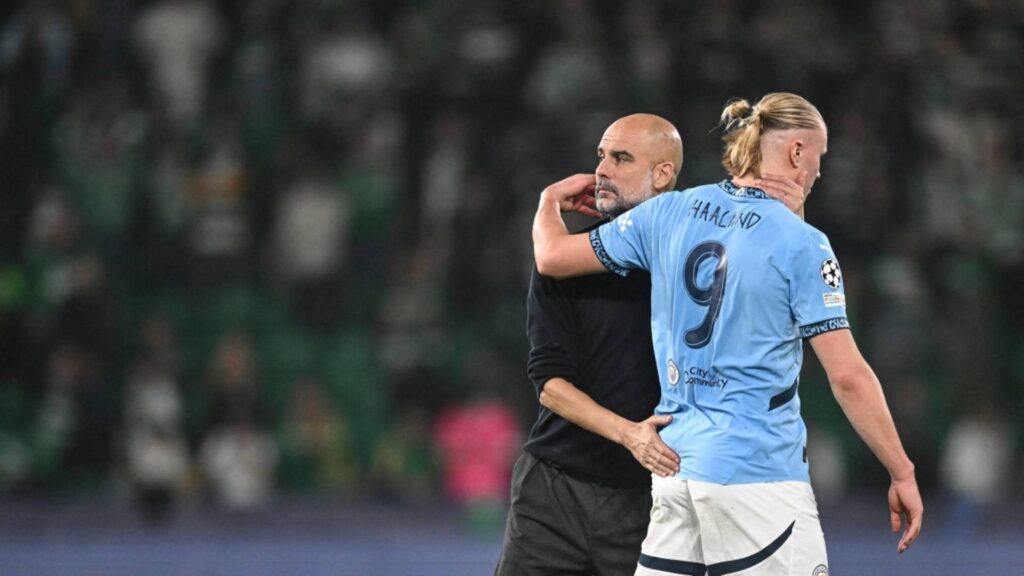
(581, 496)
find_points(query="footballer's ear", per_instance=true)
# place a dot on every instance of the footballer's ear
(796, 152)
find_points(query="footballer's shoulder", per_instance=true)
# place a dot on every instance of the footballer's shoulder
(807, 235)
(674, 196)
(666, 199)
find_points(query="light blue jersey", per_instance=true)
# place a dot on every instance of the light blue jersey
(737, 282)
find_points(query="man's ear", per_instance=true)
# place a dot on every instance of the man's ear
(663, 176)
(796, 151)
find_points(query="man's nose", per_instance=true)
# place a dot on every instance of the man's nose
(602, 168)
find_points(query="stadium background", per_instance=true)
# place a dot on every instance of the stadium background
(263, 264)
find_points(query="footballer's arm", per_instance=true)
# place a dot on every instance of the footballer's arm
(859, 394)
(558, 253)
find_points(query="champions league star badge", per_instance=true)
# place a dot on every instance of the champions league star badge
(830, 273)
(673, 373)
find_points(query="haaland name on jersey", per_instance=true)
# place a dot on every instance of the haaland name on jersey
(723, 218)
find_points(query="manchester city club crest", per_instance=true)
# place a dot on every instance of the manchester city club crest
(831, 274)
(820, 570)
(673, 373)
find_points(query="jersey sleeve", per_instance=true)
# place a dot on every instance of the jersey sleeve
(624, 243)
(817, 295)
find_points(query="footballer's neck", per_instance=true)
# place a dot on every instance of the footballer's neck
(749, 180)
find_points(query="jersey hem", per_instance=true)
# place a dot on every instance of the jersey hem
(746, 478)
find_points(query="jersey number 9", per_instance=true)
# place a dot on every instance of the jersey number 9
(711, 295)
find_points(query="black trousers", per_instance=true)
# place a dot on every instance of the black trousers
(559, 524)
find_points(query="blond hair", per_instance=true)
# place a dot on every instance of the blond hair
(744, 126)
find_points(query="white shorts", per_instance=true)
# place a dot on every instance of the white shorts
(698, 528)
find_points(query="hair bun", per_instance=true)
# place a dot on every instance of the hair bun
(735, 114)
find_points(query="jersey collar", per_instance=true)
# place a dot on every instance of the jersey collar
(745, 192)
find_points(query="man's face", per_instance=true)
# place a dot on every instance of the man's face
(624, 172)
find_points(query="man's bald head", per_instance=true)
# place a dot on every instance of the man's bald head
(658, 135)
(640, 156)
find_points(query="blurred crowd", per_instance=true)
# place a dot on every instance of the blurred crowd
(265, 246)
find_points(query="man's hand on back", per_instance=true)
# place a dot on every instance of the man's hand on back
(642, 439)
